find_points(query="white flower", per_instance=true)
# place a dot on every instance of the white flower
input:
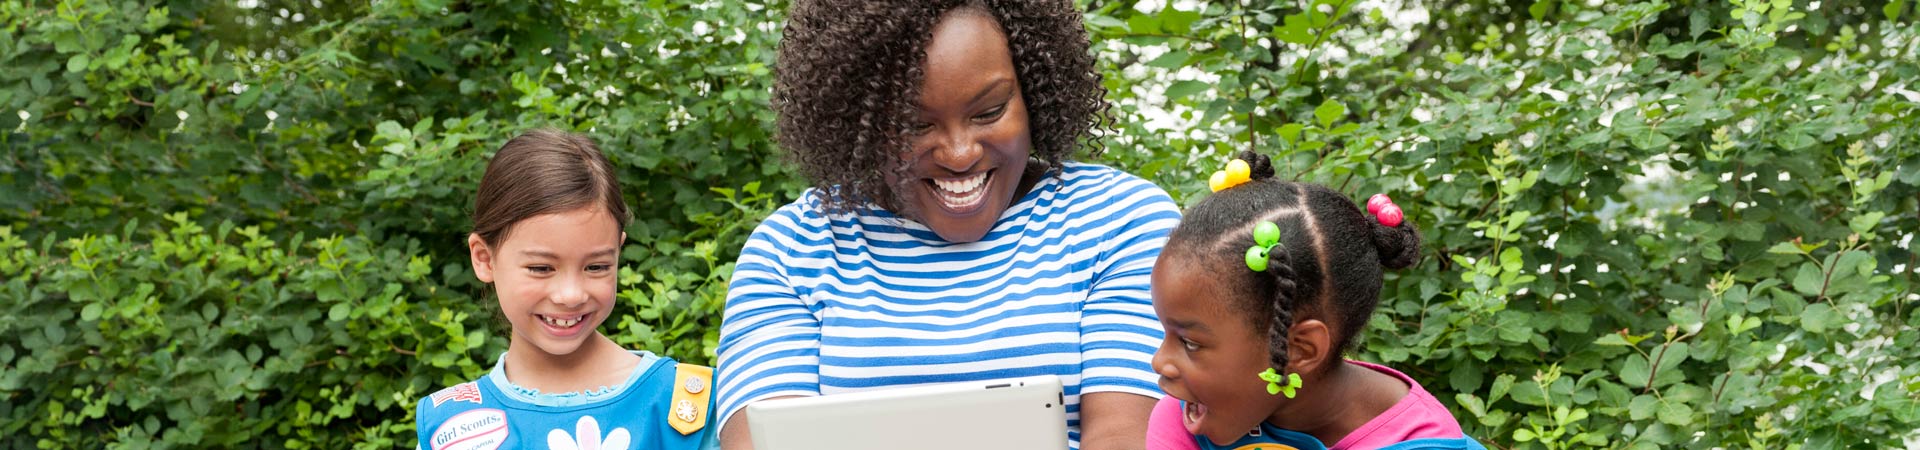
(586, 436)
(1910, 95)
(1623, 104)
(1558, 95)
(182, 114)
(1422, 115)
(24, 115)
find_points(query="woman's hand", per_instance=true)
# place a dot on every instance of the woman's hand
(1110, 421)
(735, 435)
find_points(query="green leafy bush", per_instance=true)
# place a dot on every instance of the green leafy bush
(1653, 224)
(136, 132)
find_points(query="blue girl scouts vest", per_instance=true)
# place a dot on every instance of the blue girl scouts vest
(1270, 438)
(666, 407)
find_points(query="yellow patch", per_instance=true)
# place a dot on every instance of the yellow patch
(1265, 446)
(687, 412)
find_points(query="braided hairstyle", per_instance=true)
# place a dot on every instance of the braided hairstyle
(848, 71)
(1328, 264)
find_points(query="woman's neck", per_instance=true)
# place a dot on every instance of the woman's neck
(599, 362)
(1345, 398)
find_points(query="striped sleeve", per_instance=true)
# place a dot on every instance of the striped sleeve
(769, 336)
(1118, 329)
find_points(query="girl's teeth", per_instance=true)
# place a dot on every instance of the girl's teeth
(562, 323)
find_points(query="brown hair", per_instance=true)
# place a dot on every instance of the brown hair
(544, 171)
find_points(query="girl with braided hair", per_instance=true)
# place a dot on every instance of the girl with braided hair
(1261, 288)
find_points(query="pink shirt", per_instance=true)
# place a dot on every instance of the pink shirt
(1416, 416)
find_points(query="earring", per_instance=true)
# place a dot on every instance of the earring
(1273, 383)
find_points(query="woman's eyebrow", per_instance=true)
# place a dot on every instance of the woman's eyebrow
(991, 88)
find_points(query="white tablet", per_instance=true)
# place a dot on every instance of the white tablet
(1016, 414)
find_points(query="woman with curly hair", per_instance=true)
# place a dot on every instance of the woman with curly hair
(948, 236)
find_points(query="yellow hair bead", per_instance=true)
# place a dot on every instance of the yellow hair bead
(1238, 172)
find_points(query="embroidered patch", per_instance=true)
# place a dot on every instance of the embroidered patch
(466, 392)
(480, 429)
(586, 436)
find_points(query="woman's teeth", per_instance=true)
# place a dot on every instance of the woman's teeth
(563, 323)
(963, 192)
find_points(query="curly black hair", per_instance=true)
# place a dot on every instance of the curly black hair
(848, 72)
(1328, 265)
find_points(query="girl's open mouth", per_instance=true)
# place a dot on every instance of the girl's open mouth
(563, 326)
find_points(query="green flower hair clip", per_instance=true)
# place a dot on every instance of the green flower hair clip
(1274, 386)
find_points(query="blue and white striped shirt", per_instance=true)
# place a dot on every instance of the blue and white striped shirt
(821, 304)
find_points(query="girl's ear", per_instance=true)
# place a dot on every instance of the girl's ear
(1310, 346)
(482, 258)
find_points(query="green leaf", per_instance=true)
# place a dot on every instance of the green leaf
(1865, 222)
(1466, 380)
(1794, 140)
(1144, 24)
(1893, 9)
(1814, 319)
(1635, 370)
(1290, 133)
(1642, 407)
(1104, 21)
(339, 312)
(1178, 22)
(1540, 8)
(90, 313)
(1328, 112)
(1786, 248)
(78, 62)
(1676, 413)
(1184, 88)
(1808, 280)
(1529, 393)
(1501, 384)
(1296, 30)
(1171, 60)
(1511, 261)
